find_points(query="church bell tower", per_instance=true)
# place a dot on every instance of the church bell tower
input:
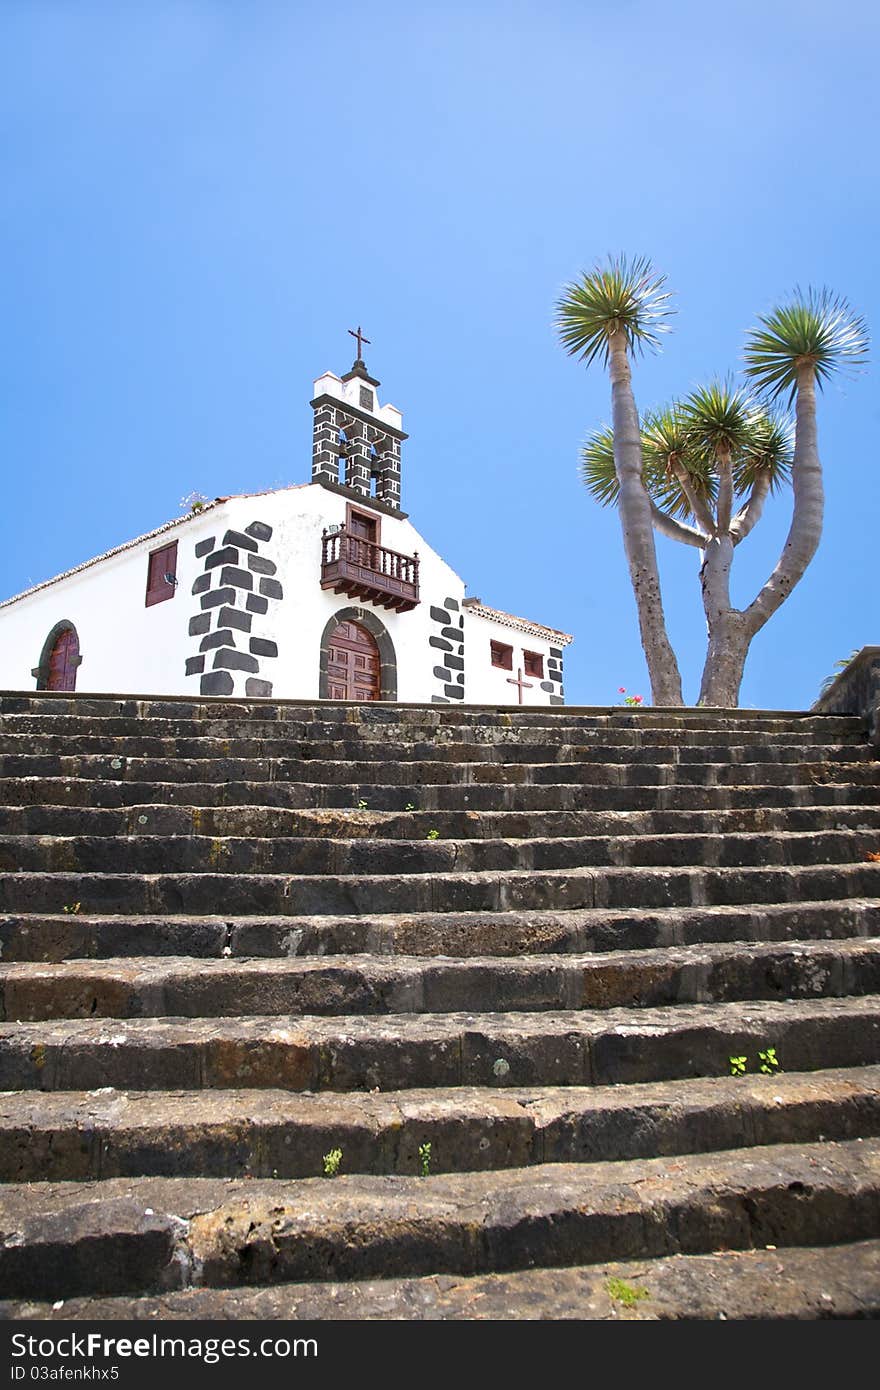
(356, 442)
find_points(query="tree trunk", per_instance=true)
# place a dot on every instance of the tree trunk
(725, 660)
(634, 506)
(728, 644)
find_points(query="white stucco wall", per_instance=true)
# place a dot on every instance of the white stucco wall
(486, 684)
(127, 647)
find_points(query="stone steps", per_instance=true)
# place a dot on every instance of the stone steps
(184, 988)
(431, 854)
(830, 788)
(307, 714)
(321, 894)
(85, 1136)
(81, 935)
(359, 777)
(807, 1283)
(261, 822)
(124, 1235)
(609, 1046)
(536, 948)
(284, 751)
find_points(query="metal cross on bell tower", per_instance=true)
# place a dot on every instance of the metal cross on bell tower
(356, 333)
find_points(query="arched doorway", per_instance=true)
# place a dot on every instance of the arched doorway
(59, 659)
(371, 626)
(353, 663)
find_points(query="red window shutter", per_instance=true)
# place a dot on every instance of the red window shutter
(160, 563)
(502, 655)
(533, 664)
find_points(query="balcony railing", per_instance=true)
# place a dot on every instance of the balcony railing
(362, 569)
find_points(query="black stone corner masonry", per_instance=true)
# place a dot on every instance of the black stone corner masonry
(232, 572)
(449, 641)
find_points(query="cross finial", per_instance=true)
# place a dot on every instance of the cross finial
(360, 339)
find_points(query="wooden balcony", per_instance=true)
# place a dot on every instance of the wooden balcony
(364, 570)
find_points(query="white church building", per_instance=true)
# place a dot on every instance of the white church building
(322, 590)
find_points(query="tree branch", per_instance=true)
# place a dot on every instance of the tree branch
(751, 513)
(806, 522)
(676, 530)
(724, 506)
(699, 507)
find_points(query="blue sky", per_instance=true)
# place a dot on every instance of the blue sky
(199, 198)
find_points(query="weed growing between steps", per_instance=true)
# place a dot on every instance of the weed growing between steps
(332, 1161)
(768, 1063)
(627, 1294)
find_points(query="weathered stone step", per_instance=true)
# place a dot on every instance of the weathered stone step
(359, 777)
(47, 938)
(378, 752)
(413, 984)
(351, 823)
(188, 988)
(154, 1234)
(833, 788)
(85, 1136)
(313, 734)
(309, 713)
(400, 1052)
(806, 1283)
(153, 854)
(510, 890)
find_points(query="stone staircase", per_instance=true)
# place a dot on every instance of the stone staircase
(501, 960)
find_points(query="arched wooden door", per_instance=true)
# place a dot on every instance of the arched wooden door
(63, 661)
(353, 664)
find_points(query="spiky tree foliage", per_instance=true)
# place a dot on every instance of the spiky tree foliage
(616, 311)
(710, 461)
(625, 296)
(816, 330)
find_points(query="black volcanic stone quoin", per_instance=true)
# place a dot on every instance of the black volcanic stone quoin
(225, 591)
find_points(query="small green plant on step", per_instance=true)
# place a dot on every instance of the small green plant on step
(627, 1294)
(769, 1061)
(362, 805)
(410, 806)
(433, 835)
(72, 908)
(424, 1159)
(332, 1161)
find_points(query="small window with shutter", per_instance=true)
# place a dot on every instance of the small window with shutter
(533, 664)
(161, 574)
(502, 655)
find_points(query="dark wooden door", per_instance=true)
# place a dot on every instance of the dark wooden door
(63, 661)
(353, 664)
